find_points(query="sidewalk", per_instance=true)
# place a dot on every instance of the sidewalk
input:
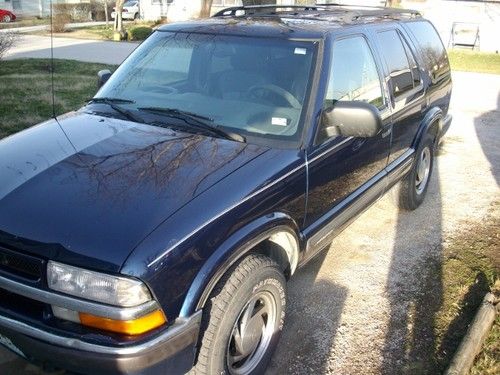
(32, 29)
(96, 51)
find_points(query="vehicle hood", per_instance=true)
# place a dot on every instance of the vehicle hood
(86, 189)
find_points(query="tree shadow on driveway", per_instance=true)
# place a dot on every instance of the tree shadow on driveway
(486, 125)
(414, 286)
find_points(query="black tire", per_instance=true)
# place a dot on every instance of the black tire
(410, 192)
(255, 276)
(136, 16)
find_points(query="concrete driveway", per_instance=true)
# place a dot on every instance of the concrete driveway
(96, 51)
(349, 310)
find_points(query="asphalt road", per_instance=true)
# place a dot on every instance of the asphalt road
(96, 51)
(351, 309)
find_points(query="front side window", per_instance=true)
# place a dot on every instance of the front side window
(353, 74)
(256, 87)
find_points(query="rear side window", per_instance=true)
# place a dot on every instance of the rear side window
(402, 71)
(353, 74)
(434, 54)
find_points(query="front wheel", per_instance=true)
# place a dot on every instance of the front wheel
(243, 319)
(410, 192)
(6, 18)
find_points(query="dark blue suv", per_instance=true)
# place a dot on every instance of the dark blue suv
(153, 230)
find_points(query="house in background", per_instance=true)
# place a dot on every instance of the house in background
(34, 8)
(27, 8)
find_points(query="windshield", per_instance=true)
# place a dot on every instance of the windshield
(256, 87)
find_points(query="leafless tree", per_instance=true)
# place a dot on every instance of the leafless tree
(106, 15)
(206, 6)
(118, 27)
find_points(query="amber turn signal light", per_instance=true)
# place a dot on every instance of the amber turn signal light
(128, 327)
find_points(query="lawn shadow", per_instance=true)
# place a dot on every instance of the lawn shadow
(313, 315)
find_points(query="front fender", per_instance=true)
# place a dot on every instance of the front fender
(234, 248)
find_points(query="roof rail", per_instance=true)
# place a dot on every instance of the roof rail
(372, 11)
(389, 12)
(383, 10)
(255, 9)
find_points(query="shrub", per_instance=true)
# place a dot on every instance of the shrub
(59, 22)
(76, 12)
(97, 10)
(139, 32)
(7, 40)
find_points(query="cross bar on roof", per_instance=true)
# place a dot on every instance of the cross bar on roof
(255, 9)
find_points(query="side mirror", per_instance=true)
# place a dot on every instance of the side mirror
(102, 77)
(351, 119)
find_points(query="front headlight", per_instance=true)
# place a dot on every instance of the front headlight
(95, 286)
(99, 287)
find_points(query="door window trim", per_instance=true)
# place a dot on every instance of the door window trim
(387, 76)
(385, 110)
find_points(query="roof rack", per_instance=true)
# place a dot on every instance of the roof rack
(256, 9)
(374, 11)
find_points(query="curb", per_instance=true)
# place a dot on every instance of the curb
(474, 338)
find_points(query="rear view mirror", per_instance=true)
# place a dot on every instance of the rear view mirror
(102, 77)
(351, 119)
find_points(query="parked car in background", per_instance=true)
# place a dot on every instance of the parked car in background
(7, 16)
(154, 229)
(130, 11)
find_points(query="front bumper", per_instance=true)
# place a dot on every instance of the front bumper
(170, 352)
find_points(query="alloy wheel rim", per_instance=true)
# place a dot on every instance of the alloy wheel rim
(251, 334)
(423, 170)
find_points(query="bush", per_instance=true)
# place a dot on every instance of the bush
(59, 22)
(75, 12)
(97, 10)
(139, 32)
(7, 40)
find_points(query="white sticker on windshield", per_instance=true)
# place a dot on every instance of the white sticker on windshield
(279, 121)
(300, 51)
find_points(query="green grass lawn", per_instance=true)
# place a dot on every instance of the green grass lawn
(26, 95)
(473, 61)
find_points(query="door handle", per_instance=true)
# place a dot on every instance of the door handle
(385, 133)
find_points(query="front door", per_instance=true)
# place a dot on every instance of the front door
(346, 174)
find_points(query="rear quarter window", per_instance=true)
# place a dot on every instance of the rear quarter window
(431, 46)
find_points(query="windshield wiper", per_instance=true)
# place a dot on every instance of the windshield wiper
(198, 121)
(106, 100)
(124, 112)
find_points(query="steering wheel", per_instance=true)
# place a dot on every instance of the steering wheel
(282, 93)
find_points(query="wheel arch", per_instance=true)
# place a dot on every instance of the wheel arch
(432, 123)
(276, 235)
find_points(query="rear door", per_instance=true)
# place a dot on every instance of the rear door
(404, 81)
(346, 174)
